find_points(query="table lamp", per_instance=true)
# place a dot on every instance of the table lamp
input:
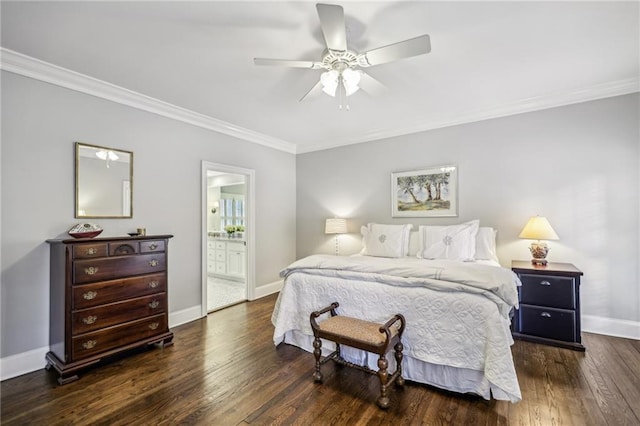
(335, 226)
(538, 228)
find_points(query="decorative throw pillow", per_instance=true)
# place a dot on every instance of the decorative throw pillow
(448, 242)
(385, 240)
(486, 244)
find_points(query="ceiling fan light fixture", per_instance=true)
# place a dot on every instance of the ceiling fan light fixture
(351, 80)
(329, 81)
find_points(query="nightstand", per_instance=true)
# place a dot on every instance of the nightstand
(549, 304)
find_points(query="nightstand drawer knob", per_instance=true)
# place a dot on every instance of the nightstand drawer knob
(545, 315)
(545, 282)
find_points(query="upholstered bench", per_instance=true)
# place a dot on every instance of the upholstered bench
(365, 335)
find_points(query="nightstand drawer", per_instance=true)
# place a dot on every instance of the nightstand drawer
(548, 290)
(559, 324)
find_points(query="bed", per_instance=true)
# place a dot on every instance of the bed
(457, 309)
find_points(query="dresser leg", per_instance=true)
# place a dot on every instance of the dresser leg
(63, 380)
(167, 342)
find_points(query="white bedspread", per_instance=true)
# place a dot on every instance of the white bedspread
(456, 312)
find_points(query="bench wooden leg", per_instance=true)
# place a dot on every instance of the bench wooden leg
(383, 375)
(317, 351)
(399, 348)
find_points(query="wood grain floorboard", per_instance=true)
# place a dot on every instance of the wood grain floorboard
(225, 370)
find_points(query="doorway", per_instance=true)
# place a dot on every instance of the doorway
(227, 228)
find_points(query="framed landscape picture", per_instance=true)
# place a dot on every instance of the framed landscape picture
(431, 192)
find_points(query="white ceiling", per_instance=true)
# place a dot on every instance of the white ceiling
(488, 59)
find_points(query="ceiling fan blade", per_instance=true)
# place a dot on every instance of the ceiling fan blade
(313, 93)
(287, 63)
(333, 28)
(404, 49)
(371, 85)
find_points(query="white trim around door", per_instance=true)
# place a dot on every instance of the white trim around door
(249, 175)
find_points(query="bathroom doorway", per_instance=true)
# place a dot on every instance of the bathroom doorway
(227, 201)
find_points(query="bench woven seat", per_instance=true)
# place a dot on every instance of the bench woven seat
(356, 329)
(365, 335)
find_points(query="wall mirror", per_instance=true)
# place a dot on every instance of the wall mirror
(104, 182)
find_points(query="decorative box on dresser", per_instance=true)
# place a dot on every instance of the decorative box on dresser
(107, 295)
(549, 310)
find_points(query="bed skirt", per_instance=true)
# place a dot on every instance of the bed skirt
(461, 380)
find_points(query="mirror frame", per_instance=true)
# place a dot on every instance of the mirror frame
(76, 215)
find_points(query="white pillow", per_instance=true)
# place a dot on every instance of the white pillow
(486, 244)
(385, 240)
(448, 242)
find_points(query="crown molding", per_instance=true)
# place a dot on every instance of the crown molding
(600, 91)
(28, 66)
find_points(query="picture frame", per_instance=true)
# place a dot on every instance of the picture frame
(431, 192)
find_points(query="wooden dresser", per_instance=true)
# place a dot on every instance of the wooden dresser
(107, 295)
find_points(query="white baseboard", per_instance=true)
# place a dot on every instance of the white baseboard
(267, 289)
(23, 363)
(184, 316)
(611, 327)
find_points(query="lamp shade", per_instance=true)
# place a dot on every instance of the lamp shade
(335, 226)
(538, 228)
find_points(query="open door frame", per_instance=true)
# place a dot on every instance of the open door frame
(249, 175)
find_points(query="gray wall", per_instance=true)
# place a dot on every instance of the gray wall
(40, 123)
(577, 165)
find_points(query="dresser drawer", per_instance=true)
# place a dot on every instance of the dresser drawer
(151, 246)
(120, 248)
(86, 320)
(85, 251)
(548, 290)
(221, 245)
(550, 323)
(105, 339)
(88, 295)
(113, 267)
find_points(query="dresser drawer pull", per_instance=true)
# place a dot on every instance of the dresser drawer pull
(545, 282)
(90, 319)
(91, 270)
(545, 315)
(153, 246)
(91, 250)
(89, 344)
(90, 295)
(154, 304)
(154, 325)
(154, 284)
(153, 262)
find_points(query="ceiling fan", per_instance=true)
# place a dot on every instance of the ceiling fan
(342, 75)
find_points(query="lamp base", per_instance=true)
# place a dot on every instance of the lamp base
(539, 262)
(539, 252)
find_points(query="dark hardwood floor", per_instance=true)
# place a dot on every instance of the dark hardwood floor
(225, 370)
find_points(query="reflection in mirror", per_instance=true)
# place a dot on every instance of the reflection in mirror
(104, 182)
